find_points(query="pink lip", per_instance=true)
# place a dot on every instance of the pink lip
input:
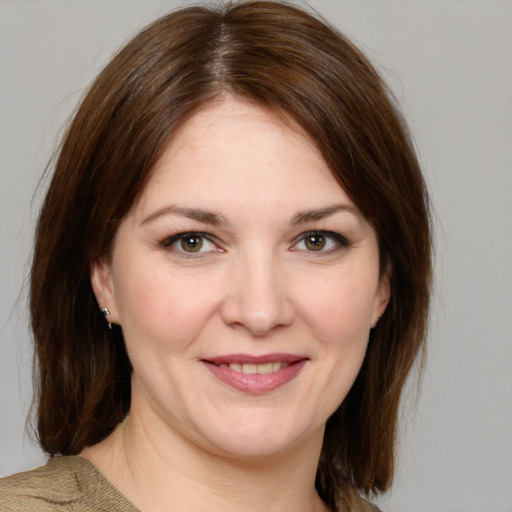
(255, 383)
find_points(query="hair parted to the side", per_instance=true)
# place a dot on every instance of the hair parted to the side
(275, 55)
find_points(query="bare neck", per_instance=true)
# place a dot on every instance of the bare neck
(162, 471)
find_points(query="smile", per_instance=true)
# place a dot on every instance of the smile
(251, 368)
(256, 374)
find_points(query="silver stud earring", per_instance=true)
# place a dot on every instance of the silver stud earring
(106, 314)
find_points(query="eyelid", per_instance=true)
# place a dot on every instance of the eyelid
(341, 241)
(168, 241)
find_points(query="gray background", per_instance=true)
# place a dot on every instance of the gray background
(449, 62)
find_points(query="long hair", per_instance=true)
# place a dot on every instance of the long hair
(278, 56)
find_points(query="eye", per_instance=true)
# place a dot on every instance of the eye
(320, 241)
(190, 243)
(315, 242)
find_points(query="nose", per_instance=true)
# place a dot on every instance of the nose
(257, 297)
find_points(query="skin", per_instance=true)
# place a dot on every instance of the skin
(257, 286)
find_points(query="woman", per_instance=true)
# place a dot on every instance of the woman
(231, 275)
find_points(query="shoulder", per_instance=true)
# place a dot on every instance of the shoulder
(52, 487)
(70, 484)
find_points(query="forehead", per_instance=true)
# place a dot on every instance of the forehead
(238, 153)
(239, 128)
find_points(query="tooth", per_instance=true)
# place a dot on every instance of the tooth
(265, 368)
(249, 368)
(276, 366)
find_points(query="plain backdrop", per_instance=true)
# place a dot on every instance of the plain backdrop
(450, 64)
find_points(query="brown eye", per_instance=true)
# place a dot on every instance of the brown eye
(191, 243)
(315, 242)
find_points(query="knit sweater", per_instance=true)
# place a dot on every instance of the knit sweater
(70, 484)
(64, 484)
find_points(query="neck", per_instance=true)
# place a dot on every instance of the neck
(157, 469)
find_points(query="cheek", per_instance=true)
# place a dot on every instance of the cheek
(339, 315)
(340, 308)
(164, 309)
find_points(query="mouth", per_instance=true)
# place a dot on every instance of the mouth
(251, 368)
(256, 374)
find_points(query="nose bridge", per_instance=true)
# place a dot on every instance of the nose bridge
(257, 297)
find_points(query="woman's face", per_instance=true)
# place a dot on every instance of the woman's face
(246, 282)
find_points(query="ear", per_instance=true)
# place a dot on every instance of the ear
(382, 295)
(103, 288)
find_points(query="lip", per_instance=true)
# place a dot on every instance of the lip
(250, 359)
(255, 383)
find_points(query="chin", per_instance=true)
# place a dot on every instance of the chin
(260, 440)
(244, 448)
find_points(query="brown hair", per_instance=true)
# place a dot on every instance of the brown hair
(278, 56)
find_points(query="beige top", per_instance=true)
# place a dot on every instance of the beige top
(70, 484)
(65, 484)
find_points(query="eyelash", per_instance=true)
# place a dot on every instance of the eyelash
(169, 241)
(340, 242)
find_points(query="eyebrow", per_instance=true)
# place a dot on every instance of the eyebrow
(321, 213)
(217, 219)
(191, 213)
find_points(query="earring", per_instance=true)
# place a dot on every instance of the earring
(106, 314)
